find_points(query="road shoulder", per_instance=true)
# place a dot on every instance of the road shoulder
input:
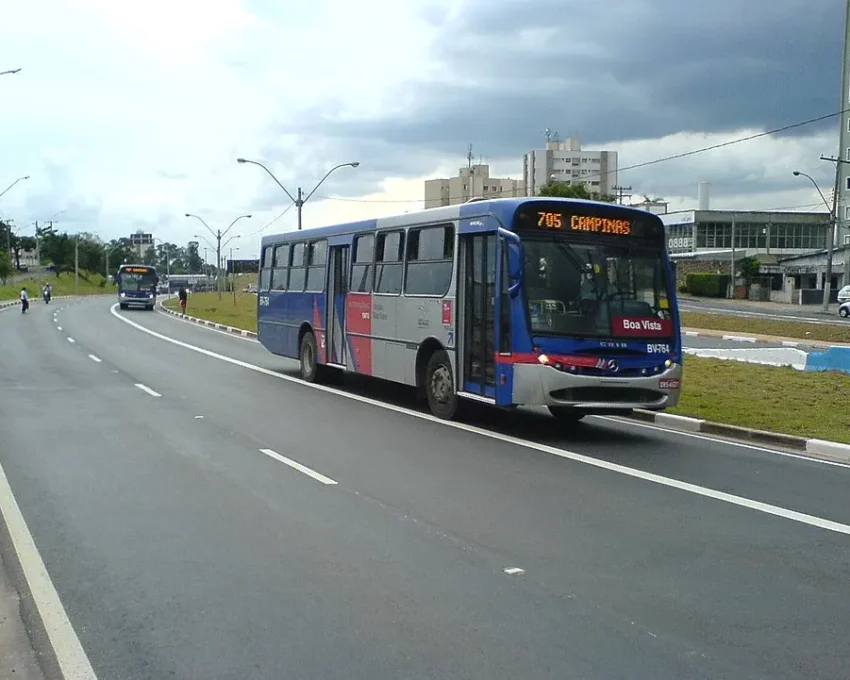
(18, 659)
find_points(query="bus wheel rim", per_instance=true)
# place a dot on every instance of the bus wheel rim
(441, 384)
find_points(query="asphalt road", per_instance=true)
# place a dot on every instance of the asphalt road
(801, 313)
(180, 549)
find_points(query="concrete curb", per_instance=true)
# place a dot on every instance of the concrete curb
(203, 322)
(814, 448)
(754, 339)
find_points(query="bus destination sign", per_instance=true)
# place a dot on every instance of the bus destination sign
(584, 223)
(136, 270)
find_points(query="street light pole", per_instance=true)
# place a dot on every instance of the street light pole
(218, 235)
(20, 179)
(301, 199)
(833, 216)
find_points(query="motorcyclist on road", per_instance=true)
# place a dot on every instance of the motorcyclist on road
(46, 292)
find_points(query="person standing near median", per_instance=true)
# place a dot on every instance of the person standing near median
(183, 296)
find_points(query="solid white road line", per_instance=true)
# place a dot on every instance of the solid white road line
(70, 655)
(297, 466)
(727, 442)
(94, 358)
(668, 482)
(145, 388)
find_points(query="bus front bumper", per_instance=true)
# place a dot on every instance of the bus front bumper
(538, 385)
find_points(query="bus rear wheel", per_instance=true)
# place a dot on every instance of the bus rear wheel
(566, 414)
(311, 369)
(440, 386)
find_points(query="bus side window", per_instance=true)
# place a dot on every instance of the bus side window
(389, 263)
(430, 261)
(297, 272)
(280, 267)
(266, 268)
(316, 266)
(361, 269)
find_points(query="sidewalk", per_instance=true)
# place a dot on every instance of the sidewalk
(17, 657)
(755, 305)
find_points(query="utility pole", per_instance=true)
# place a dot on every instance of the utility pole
(621, 192)
(830, 245)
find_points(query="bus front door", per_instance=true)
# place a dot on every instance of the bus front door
(337, 289)
(478, 300)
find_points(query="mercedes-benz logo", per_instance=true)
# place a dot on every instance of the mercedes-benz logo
(612, 366)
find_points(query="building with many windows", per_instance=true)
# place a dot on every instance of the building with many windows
(565, 161)
(473, 181)
(755, 233)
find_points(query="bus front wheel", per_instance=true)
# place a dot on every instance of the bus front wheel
(566, 414)
(440, 386)
(311, 370)
(122, 305)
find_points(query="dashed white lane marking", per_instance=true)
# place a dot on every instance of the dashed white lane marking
(514, 571)
(199, 417)
(71, 340)
(145, 388)
(94, 358)
(668, 482)
(319, 477)
(59, 328)
(69, 653)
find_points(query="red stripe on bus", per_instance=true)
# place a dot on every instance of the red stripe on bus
(358, 319)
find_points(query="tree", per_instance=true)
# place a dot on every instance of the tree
(5, 266)
(563, 190)
(194, 262)
(749, 268)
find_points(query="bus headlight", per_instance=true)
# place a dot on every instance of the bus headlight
(668, 363)
(122, 295)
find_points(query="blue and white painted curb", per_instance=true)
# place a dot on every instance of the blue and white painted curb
(203, 322)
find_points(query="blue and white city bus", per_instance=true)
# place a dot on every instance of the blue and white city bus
(562, 303)
(136, 286)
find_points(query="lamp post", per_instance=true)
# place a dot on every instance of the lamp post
(827, 284)
(167, 255)
(301, 199)
(218, 235)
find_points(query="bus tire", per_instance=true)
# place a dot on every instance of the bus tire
(311, 370)
(566, 414)
(440, 387)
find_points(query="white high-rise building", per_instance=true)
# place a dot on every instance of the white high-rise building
(842, 236)
(565, 161)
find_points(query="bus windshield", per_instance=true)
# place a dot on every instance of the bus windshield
(137, 282)
(599, 289)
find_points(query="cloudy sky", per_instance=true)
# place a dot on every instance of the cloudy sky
(129, 114)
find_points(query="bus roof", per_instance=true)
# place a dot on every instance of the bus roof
(136, 266)
(501, 208)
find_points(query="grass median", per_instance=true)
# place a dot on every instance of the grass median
(758, 326)
(92, 284)
(763, 397)
(241, 313)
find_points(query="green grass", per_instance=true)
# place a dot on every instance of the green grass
(242, 314)
(768, 398)
(757, 326)
(62, 285)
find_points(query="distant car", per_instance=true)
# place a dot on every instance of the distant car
(844, 295)
(844, 309)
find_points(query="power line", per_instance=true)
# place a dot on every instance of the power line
(677, 156)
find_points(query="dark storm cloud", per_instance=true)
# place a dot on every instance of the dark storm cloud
(607, 71)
